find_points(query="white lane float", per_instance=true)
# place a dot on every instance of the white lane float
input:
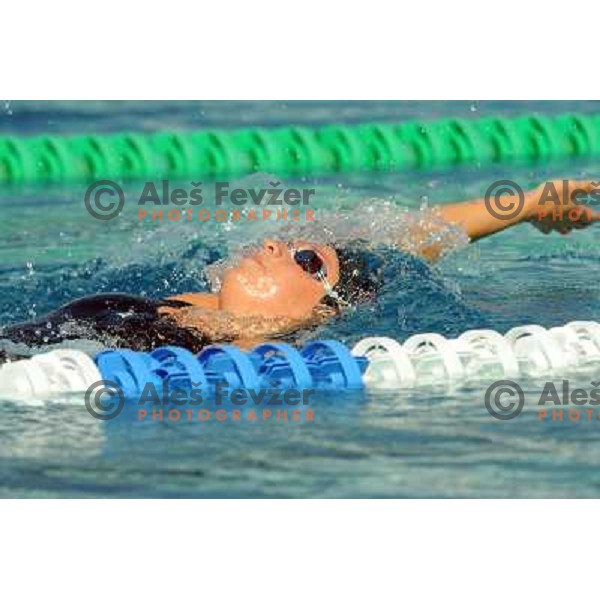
(49, 375)
(480, 355)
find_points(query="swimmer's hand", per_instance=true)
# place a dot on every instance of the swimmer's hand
(476, 219)
(561, 206)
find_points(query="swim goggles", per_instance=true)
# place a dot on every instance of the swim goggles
(310, 262)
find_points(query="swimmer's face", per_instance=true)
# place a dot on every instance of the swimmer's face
(271, 281)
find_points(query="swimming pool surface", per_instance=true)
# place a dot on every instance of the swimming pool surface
(425, 443)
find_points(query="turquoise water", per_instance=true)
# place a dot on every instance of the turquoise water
(426, 443)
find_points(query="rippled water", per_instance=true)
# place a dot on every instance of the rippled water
(436, 442)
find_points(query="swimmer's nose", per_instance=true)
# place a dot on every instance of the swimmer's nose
(273, 248)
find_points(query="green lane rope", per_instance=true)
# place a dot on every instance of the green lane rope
(297, 150)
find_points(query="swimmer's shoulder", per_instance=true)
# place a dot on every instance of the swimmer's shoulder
(203, 300)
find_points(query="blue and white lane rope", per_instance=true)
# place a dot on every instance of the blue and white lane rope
(375, 362)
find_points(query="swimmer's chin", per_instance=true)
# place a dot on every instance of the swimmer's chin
(255, 313)
(215, 303)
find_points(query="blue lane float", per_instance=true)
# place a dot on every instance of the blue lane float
(325, 364)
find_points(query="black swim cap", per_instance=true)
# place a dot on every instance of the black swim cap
(361, 275)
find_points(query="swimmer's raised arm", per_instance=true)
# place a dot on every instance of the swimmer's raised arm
(477, 221)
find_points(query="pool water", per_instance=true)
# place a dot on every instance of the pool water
(436, 442)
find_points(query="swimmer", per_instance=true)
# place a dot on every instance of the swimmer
(282, 288)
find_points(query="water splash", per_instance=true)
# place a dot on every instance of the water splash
(377, 221)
